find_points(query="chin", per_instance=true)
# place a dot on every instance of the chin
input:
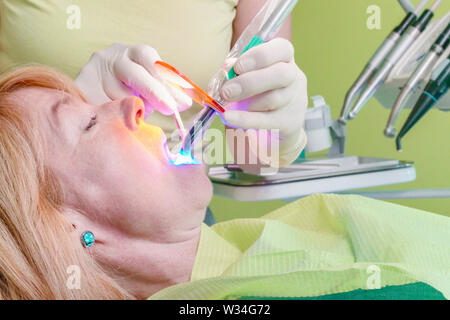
(208, 193)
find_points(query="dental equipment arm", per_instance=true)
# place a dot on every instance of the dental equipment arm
(377, 59)
(435, 90)
(411, 35)
(421, 72)
(406, 5)
(268, 30)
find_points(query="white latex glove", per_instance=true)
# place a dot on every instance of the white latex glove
(271, 92)
(121, 71)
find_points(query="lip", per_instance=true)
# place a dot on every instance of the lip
(179, 159)
(174, 156)
(171, 157)
(168, 155)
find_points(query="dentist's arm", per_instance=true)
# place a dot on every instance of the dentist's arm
(270, 87)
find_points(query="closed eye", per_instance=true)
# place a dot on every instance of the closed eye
(92, 123)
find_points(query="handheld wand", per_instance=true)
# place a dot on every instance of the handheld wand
(421, 72)
(406, 5)
(268, 30)
(435, 90)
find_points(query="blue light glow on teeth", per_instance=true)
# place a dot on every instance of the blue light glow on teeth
(183, 158)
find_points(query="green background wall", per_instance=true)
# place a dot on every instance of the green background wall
(332, 45)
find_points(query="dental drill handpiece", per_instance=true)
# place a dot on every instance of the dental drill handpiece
(406, 5)
(374, 63)
(205, 118)
(421, 72)
(408, 38)
(436, 88)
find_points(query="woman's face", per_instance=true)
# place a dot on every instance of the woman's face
(113, 167)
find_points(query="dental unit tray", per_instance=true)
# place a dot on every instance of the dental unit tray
(311, 176)
(334, 173)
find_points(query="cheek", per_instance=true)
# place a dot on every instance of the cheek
(149, 179)
(103, 173)
(128, 184)
(159, 197)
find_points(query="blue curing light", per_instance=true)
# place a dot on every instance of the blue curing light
(183, 158)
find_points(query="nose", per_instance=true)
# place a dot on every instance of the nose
(132, 109)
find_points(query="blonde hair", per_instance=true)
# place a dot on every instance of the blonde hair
(37, 249)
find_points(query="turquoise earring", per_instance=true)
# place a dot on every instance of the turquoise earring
(87, 239)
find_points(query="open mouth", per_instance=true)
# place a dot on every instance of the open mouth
(149, 135)
(171, 157)
(180, 158)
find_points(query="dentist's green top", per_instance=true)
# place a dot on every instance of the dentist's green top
(194, 35)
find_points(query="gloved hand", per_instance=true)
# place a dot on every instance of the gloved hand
(270, 92)
(124, 70)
